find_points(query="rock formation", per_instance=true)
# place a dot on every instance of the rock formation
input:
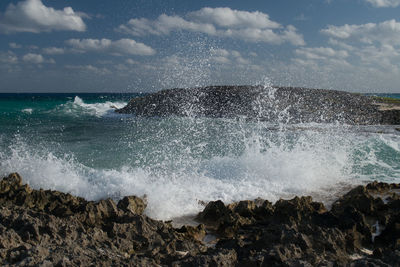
(50, 228)
(278, 104)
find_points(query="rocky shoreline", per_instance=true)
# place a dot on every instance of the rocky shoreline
(276, 104)
(50, 228)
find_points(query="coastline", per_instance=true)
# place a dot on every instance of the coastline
(50, 227)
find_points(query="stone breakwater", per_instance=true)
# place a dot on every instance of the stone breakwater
(50, 228)
(277, 104)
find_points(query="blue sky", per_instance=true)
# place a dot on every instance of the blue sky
(140, 46)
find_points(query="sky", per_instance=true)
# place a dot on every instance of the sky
(149, 45)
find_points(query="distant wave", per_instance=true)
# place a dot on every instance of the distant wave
(27, 110)
(79, 107)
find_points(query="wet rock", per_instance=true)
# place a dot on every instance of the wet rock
(244, 208)
(214, 212)
(133, 204)
(297, 209)
(302, 232)
(47, 228)
(288, 104)
(10, 183)
(39, 227)
(379, 187)
(197, 233)
(360, 199)
(390, 236)
(224, 258)
(101, 211)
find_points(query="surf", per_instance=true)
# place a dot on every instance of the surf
(179, 163)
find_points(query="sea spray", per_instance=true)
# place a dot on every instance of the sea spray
(181, 162)
(78, 107)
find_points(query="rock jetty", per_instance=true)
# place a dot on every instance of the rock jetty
(276, 104)
(50, 228)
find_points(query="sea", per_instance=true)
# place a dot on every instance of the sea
(76, 143)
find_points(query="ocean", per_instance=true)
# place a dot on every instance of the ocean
(75, 143)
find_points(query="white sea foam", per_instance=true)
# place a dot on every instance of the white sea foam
(27, 110)
(79, 107)
(267, 161)
(316, 164)
(391, 141)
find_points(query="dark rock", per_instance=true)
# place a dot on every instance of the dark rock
(40, 227)
(390, 236)
(287, 104)
(244, 208)
(390, 117)
(101, 211)
(360, 199)
(197, 233)
(300, 232)
(47, 228)
(10, 183)
(133, 204)
(214, 212)
(224, 258)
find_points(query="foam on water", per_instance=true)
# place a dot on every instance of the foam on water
(27, 110)
(317, 162)
(178, 162)
(79, 107)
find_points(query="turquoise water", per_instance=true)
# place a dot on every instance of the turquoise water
(76, 143)
(387, 95)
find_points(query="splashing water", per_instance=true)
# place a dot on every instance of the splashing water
(78, 147)
(78, 107)
(27, 110)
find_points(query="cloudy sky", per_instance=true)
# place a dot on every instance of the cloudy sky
(133, 45)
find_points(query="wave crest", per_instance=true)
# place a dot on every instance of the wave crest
(78, 107)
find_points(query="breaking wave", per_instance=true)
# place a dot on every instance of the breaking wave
(177, 171)
(78, 107)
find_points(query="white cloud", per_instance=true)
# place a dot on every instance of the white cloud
(359, 57)
(321, 52)
(387, 32)
(221, 60)
(321, 59)
(122, 46)
(220, 52)
(34, 16)
(228, 18)
(90, 44)
(290, 34)
(373, 45)
(33, 58)
(129, 46)
(385, 57)
(223, 56)
(89, 68)
(164, 24)
(8, 58)
(53, 51)
(384, 3)
(131, 61)
(37, 59)
(14, 45)
(222, 22)
(341, 44)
